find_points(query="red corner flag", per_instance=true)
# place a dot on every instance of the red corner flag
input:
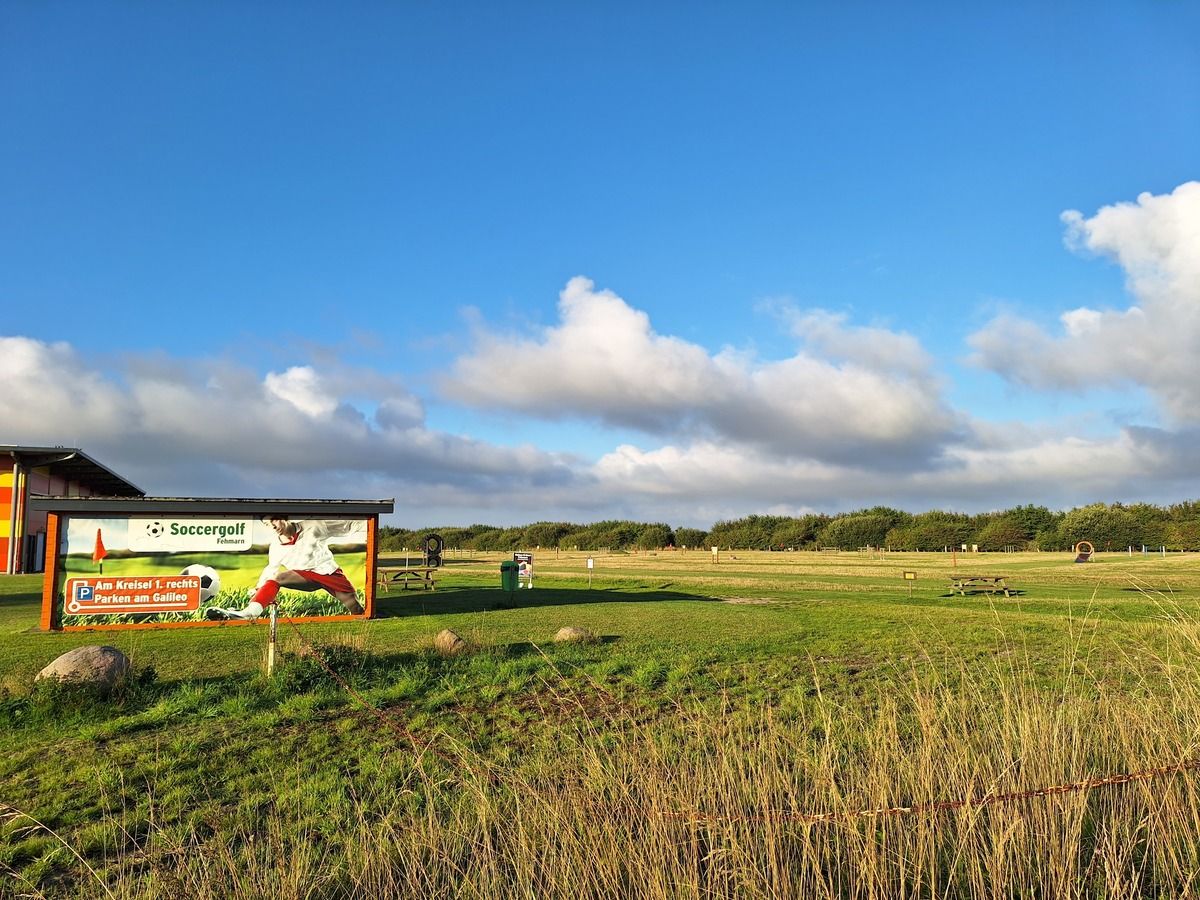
(99, 553)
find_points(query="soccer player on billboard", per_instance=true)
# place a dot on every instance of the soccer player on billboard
(300, 560)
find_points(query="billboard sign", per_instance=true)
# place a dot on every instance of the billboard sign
(174, 570)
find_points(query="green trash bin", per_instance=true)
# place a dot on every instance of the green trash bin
(508, 575)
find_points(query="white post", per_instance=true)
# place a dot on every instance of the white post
(271, 640)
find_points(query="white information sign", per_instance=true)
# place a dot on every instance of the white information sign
(174, 535)
(524, 563)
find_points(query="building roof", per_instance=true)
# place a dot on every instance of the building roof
(215, 506)
(74, 465)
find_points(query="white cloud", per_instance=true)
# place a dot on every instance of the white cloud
(876, 349)
(1153, 343)
(301, 387)
(204, 428)
(187, 425)
(979, 474)
(876, 398)
(603, 361)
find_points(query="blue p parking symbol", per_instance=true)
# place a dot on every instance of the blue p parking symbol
(80, 594)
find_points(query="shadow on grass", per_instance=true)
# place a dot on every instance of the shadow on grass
(981, 594)
(403, 604)
(143, 702)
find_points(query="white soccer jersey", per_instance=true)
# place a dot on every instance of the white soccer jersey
(308, 550)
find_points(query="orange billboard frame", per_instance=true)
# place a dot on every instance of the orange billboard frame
(60, 509)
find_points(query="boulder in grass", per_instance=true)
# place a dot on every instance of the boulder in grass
(570, 633)
(99, 667)
(448, 643)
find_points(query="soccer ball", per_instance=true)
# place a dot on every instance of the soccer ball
(210, 581)
(155, 529)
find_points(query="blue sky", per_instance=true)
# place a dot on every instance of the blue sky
(312, 250)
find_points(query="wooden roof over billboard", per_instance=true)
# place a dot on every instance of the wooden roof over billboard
(217, 506)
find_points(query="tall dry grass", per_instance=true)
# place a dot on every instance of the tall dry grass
(710, 803)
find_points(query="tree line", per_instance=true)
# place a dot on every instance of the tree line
(1114, 526)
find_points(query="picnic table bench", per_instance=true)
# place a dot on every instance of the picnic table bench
(387, 577)
(975, 583)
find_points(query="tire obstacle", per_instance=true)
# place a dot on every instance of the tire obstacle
(432, 546)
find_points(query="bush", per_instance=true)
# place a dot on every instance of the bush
(655, 536)
(798, 532)
(1183, 536)
(691, 537)
(1051, 539)
(55, 701)
(852, 532)
(1107, 528)
(545, 534)
(310, 670)
(1001, 533)
(613, 534)
(750, 533)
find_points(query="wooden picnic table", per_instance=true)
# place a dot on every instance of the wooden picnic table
(387, 577)
(989, 583)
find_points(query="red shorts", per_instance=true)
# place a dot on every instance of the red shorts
(337, 583)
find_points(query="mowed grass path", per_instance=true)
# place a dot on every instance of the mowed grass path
(210, 751)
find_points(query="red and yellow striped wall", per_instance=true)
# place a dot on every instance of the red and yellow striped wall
(6, 500)
(29, 523)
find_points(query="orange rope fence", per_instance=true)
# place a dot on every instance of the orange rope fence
(777, 816)
(1085, 784)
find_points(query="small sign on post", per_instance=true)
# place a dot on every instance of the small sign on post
(909, 578)
(524, 563)
(591, 564)
(716, 551)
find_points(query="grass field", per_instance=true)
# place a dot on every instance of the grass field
(675, 756)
